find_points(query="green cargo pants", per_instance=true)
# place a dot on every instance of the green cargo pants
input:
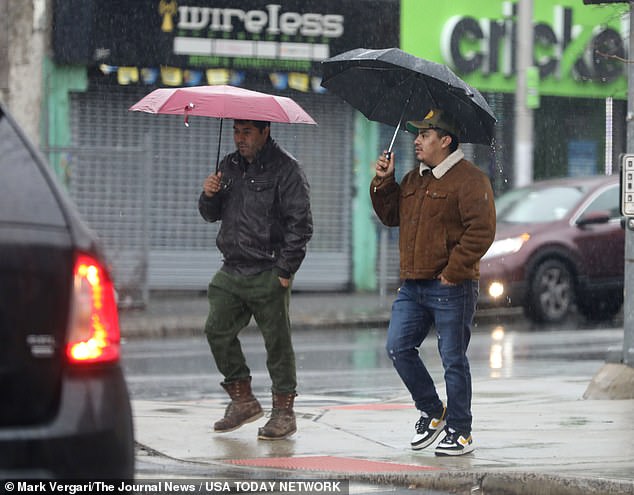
(233, 300)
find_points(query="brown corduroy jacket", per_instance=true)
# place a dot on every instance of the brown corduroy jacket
(446, 218)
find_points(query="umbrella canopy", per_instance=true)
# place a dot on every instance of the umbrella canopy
(391, 86)
(225, 102)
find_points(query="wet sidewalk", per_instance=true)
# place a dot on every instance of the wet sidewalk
(532, 436)
(528, 441)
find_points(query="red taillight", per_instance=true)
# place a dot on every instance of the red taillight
(94, 324)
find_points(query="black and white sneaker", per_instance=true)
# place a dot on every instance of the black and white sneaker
(455, 443)
(428, 427)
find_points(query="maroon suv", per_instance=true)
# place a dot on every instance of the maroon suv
(559, 244)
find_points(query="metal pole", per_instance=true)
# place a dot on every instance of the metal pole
(383, 234)
(523, 148)
(4, 46)
(145, 220)
(628, 309)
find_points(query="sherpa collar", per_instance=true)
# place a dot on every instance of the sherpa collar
(443, 167)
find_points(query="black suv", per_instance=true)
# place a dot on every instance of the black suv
(65, 409)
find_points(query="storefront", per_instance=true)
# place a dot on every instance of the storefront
(580, 82)
(136, 177)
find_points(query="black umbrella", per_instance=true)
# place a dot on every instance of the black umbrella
(391, 86)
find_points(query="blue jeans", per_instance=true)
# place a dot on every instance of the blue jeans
(419, 305)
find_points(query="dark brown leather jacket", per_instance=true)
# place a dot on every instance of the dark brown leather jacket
(265, 212)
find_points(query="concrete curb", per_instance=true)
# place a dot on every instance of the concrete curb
(512, 483)
(181, 327)
(467, 482)
(133, 326)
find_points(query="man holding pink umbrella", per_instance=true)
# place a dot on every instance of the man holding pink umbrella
(261, 196)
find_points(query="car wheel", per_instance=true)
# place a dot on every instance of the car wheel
(601, 308)
(551, 292)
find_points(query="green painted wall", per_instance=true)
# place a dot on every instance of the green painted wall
(59, 81)
(364, 236)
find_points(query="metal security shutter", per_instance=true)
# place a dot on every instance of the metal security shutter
(121, 201)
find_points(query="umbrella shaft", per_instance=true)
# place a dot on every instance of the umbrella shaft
(398, 126)
(218, 153)
(394, 136)
(388, 154)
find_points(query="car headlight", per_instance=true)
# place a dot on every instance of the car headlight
(496, 289)
(509, 245)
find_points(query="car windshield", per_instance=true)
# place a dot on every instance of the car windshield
(531, 205)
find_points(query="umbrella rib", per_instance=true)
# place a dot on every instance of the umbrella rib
(409, 79)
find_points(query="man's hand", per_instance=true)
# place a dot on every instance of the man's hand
(384, 167)
(212, 184)
(285, 282)
(444, 281)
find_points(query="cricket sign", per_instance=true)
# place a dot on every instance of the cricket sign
(579, 50)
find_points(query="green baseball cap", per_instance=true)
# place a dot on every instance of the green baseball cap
(435, 119)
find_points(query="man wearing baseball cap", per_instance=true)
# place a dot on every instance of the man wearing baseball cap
(446, 217)
(436, 119)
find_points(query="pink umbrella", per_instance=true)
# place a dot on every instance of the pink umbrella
(224, 102)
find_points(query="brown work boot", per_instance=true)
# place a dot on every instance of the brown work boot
(242, 409)
(282, 423)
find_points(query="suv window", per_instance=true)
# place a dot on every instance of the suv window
(606, 201)
(530, 205)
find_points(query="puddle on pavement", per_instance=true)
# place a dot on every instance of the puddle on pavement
(574, 421)
(174, 410)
